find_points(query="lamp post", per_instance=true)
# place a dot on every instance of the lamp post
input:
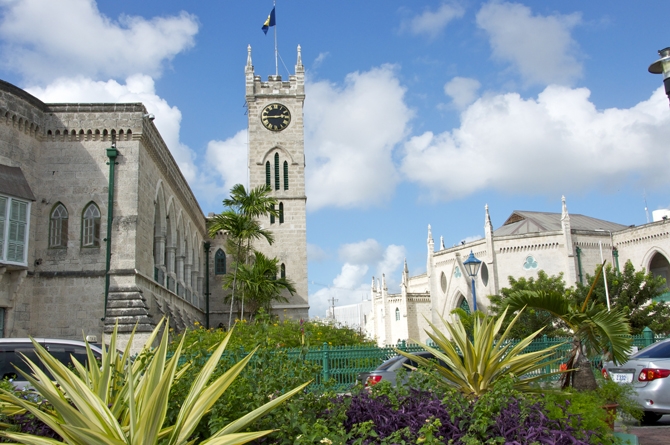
(662, 66)
(472, 265)
(602, 260)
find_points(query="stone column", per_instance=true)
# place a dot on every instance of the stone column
(172, 252)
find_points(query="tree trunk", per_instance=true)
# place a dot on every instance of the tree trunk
(583, 378)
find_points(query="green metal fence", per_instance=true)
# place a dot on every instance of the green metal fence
(341, 364)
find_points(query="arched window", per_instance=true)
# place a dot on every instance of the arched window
(281, 213)
(268, 174)
(285, 175)
(465, 306)
(58, 227)
(272, 216)
(397, 314)
(219, 262)
(282, 270)
(90, 226)
(276, 171)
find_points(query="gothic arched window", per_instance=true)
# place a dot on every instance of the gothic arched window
(58, 227)
(272, 216)
(281, 213)
(276, 171)
(90, 227)
(282, 272)
(285, 175)
(268, 174)
(219, 262)
(397, 314)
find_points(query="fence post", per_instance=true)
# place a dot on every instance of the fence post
(326, 368)
(545, 341)
(648, 336)
(402, 345)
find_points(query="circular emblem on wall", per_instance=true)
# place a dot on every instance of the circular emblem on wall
(275, 117)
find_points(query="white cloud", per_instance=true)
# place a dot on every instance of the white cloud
(138, 88)
(315, 253)
(540, 47)
(229, 159)
(353, 281)
(555, 144)
(351, 131)
(37, 46)
(462, 90)
(432, 23)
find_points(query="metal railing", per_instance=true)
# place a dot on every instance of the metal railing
(342, 364)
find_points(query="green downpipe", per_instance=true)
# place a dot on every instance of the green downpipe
(579, 263)
(615, 253)
(112, 153)
(207, 245)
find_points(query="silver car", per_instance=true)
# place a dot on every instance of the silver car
(387, 370)
(649, 373)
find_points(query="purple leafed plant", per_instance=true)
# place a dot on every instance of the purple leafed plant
(412, 412)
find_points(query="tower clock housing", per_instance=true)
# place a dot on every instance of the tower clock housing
(277, 158)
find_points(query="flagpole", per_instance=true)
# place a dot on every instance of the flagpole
(274, 6)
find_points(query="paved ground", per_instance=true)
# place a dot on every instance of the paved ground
(658, 434)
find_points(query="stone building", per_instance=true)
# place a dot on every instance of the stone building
(277, 159)
(526, 243)
(98, 225)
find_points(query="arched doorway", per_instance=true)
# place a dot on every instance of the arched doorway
(660, 267)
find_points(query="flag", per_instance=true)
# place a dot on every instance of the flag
(269, 22)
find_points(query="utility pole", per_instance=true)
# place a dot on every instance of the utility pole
(332, 301)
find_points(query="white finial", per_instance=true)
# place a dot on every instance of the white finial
(430, 233)
(406, 269)
(249, 55)
(442, 242)
(299, 56)
(488, 217)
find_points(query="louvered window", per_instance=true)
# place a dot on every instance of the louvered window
(90, 236)
(276, 171)
(283, 270)
(281, 213)
(285, 175)
(14, 215)
(268, 174)
(58, 227)
(272, 215)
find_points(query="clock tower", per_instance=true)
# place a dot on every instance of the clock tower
(277, 158)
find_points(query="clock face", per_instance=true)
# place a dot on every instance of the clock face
(275, 117)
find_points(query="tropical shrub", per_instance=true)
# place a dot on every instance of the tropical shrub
(95, 404)
(267, 331)
(476, 361)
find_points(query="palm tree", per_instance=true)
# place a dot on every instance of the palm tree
(594, 330)
(259, 283)
(240, 223)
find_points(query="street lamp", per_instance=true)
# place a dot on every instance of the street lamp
(662, 66)
(602, 260)
(472, 265)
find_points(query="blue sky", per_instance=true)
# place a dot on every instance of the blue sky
(417, 112)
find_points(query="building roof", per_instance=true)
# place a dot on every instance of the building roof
(523, 222)
(13, 183)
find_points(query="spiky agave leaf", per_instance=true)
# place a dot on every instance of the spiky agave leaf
(81, 415)
(485, 358)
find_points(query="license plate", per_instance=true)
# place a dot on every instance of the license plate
(621, 378)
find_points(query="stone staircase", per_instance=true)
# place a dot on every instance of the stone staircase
(128, 308)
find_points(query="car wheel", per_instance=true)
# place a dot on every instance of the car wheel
(649, 418)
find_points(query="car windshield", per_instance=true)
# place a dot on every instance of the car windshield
(388, 363)
(659, 350)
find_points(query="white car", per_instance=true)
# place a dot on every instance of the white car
(12, 348)
(649, 372)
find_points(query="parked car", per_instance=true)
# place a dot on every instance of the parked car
(387, 370)
(649, 372)
(12, 348)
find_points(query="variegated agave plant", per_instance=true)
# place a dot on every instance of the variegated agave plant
(475, 361)
(124, 402)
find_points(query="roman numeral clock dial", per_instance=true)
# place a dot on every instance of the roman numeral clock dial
(275, 117)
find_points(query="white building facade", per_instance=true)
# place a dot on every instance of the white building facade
(526, 243)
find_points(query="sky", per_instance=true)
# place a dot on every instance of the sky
(416, 112)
